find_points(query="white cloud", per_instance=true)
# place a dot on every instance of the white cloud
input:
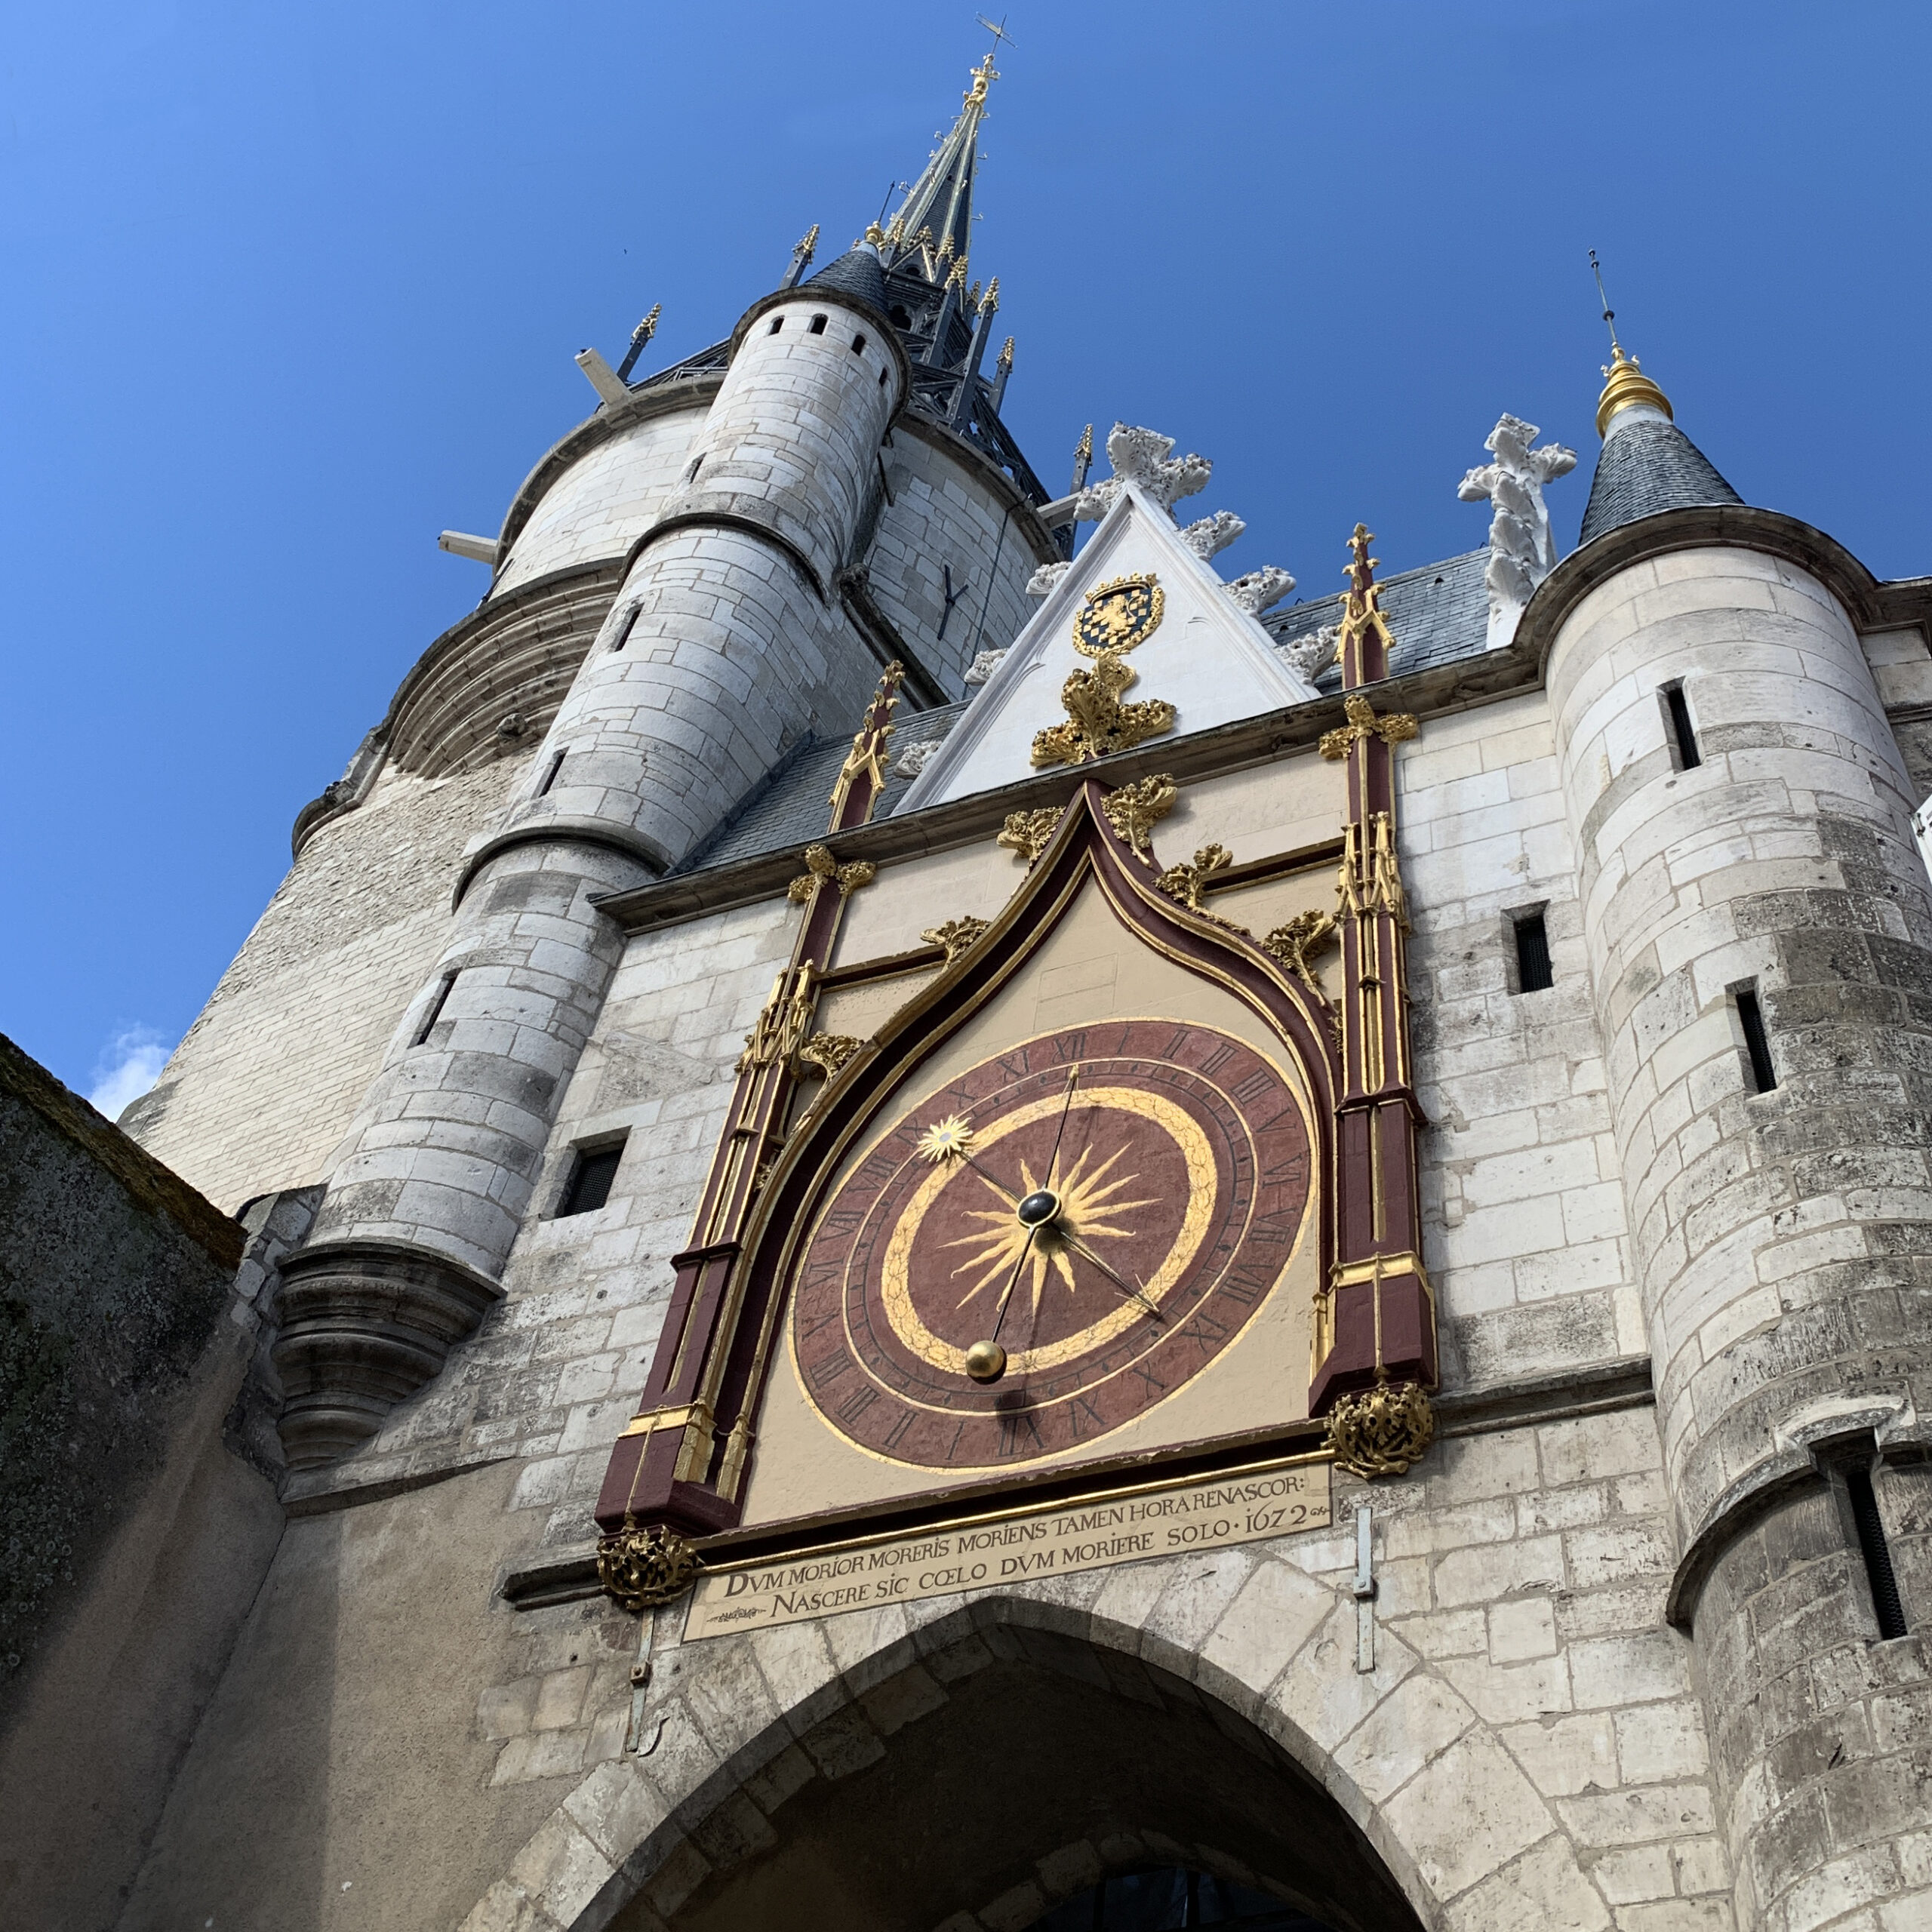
(129, 1065)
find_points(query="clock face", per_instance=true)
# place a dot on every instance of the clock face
(1109, 1204)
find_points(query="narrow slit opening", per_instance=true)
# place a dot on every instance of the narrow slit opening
(777, 323)
(1533, 974)
(858, 345)
(624, 629)
(435, 1012)
(1683, 734)
(818, 325)
(591, 1173)
(1886, 1601)
(1757, 1042)
(550, 776)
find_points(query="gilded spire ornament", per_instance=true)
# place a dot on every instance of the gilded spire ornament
(1625, 385)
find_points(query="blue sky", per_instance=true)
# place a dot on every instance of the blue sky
(289, 290)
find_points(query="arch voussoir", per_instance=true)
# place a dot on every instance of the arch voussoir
(748, 1723)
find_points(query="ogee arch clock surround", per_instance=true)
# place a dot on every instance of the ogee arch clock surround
(1108, 1205)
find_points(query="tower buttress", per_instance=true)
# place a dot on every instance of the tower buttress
(726, 642)
(1759, 923)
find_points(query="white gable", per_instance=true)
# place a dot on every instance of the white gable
(1209, 658)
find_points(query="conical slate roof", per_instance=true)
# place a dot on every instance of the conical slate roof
(856, 273)
(1649, 465)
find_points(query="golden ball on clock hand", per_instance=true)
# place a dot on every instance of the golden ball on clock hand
(986, 1361)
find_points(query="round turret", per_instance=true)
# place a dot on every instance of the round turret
(1760, 929)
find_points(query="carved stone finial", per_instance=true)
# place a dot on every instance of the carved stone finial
(955, 936)
(983, 667)
(1029, 833)
(1522, 551)
(914, 759)
(1135, 810)
(1292, 944)
(1256, 590)
(1313, 652)
(1383, 1431)
(1213, 534)
(1145, 457)
(1041, 583)
(640, 1567)
(1188, 882)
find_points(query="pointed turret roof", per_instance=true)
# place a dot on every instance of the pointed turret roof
(937, 214)
(1648, 464)
(856, 273)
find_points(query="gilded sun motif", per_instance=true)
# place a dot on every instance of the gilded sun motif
(1009, 1246)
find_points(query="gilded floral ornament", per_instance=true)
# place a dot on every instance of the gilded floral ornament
(1028, 833)
(1293, 943)
(640, 1567)
(1187, 883)
(946, 1141)
(828, 1052)
(1383, 1431)
(1097, 722)
(955, 936)
(1134, 809)
(782, 1021)
(821, 866)
(1121, 615)
(1392, 729)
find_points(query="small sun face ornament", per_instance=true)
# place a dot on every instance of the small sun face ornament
(947, 1140)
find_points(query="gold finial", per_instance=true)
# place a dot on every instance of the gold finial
(973, 297)
(896, 234)
(1625, 383)
(959, 275)
(808, 244)
(1005, 360)
(875, 236)
(1361, 572)
(945, 251)
(989, 302)
(984, 74)
(646, 329)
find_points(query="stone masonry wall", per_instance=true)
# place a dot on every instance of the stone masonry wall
(267, 1080)
(605, 501)
(1783, 1238)
(1527, 1750)
(943, 515)
(1524, 1236)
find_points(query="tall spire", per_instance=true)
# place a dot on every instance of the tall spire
(937, 213)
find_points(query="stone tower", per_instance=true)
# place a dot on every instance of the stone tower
(731, 637)
(1759, 933)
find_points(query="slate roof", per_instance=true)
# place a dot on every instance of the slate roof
(1438, 613)
(856, 273)
(789, 808)
(1646, 467)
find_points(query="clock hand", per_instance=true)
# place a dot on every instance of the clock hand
(1080, 1247)
(1072, 1080)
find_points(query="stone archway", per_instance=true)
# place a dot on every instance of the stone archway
(997, 1775)
(1251, 1661)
